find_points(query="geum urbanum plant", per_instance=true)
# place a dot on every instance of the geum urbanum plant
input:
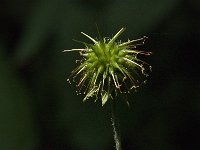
(109, 67)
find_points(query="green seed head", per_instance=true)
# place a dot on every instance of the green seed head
(110, 67)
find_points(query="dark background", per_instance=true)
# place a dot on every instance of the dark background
(39, 110)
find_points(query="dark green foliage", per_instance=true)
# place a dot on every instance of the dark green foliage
(39, 110)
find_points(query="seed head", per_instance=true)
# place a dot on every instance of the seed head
(109, 67)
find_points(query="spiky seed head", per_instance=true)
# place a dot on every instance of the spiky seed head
(110, 67)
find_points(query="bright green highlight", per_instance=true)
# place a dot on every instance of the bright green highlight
(110, 67)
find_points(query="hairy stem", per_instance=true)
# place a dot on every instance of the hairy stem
(115, 125)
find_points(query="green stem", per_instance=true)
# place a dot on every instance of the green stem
(115, 125)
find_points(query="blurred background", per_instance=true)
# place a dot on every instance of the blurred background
(39, 110)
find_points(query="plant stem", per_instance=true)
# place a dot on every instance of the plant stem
(115, 125)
